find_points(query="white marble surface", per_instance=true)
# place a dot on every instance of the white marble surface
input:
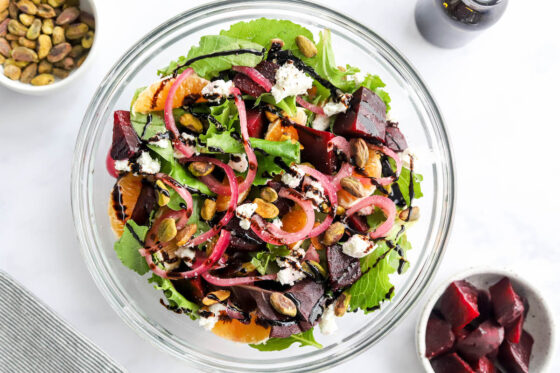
(499, 96)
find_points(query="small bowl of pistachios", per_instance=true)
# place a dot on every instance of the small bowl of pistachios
(45, 44)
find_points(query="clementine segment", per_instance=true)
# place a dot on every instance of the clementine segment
(121, 203)
(236, 331)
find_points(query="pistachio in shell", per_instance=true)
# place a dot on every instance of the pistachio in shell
(13, 72)
(26, 19)
(76, 31)
(45, 67)
(28, 73)
(88, 19)
(27, 7)
(58, 35)
(16, 28)
(24, 42)
(87, 41)
(45, 46)
(59, 52)
(43, 79)
(68, 16)
(24, 54)
(60, 73)
(48, 26)
(34, 30)
(5, 48)
(46, 11)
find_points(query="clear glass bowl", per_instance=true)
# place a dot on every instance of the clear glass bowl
(138, 303)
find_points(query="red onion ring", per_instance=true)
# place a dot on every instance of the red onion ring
(389, 179)
(270, 233)
(235, 280)
(331, 194)
(385, 204)
(345, 170)
(187, 151)
(255, 76)
(309, 106)
(151, 246)
(341, 144)
(180, 189)
(215, 186)
(110, 164)
(312, 254)
(219, 250)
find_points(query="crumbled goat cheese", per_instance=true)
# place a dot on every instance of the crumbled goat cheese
(293, 179)
(214, 91)
(245, 224)
(290, 268)
(238, 162)
(357, 246)
(277, 222)
(327, 324)
(161, 143)
(332, 108)
(147, 164)
(244, 212)
(122, 165)
(185, 253)
(321, 122)
(314, 191)
(290, 81)
(209, 322)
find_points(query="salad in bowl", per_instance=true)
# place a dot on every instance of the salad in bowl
(265, 188)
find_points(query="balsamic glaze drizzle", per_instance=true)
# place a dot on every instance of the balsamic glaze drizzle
(220, 54)
(148, 122)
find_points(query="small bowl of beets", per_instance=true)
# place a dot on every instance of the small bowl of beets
(485, 321)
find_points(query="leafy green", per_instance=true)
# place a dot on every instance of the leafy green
(404, 183)
(262, 259)
(288, 104)
(226, 113)
(262, 30)
(175, 299)
(182, 175)
(127, 247)
(210, 67)
(278, 344)
(374, 83)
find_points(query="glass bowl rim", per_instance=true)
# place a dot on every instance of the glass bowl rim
(83, 151)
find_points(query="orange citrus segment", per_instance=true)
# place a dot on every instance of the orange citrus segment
(294, 220)
(153, 98)
(222, 202)
(236, 331)
(278, 132)
(119, 212)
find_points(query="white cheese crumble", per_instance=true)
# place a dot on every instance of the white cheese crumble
(214, 91)
(293, 181)
(147, 164)
(122, 165)
(315, 192)
(161, 143)
(290, 81)
(209, 322)
(188, 137)
(185, 253)
(244, 212)
(357, 246)
(321, 122)
(245, 224)
(277, 222)
(290, 268)
(332, 108)
(327, 324)
(240, 164)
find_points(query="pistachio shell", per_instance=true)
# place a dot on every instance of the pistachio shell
(28, 73)
(76, 31)
(58, 52)
(12, 72)
(45, 67)
(48, 26)
(24, 42)
(34, 30)
(16, 28)
(5, 48)
(43, 79)
(68, 16)
(24, 54)
(46, 11)
(58, 35)
(45, 46)
(88, 19)
(27, 7)
(26, 19)
(87, 41)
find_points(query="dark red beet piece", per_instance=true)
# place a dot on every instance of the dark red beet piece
(394, 138)
(125, 140)
(344, 270)
(439, 337)
(459, 304)
(309, 300)
(145, 204)
(515, 356)
(514, 331)
(450, 363)
(193, 289)
(316, 149)
(358, 223)
(461, 334)
(255, 123)
(484, 339)
(484, 305)
(366, 116)
(508, 306)
(248, 86)
(484, 365)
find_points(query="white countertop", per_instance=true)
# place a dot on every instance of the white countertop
(499, 96)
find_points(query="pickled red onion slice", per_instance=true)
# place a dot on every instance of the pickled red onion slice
(255, 76)
(385, 204)
(331, 194)
(309, 106)
(236, 280)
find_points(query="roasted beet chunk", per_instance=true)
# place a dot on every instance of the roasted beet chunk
(515, 356)
(358, 223)
(450, 363)
(484, 365)
(394, 138)
(366, 116)
(439, 337)
(255, 123)
(125, 141)
(145, 204)
(248, 86)
(344, 270)
(481, 341)
(316, 149)
(514, 331)
(459, 304)
(508, 306)
(484, 305)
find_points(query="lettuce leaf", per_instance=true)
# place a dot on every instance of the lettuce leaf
(127, 247)
(175, 299)
(278, 344)
(404, 183)
(374, 83)
(262, 259)
(288, 104)
(210, 67)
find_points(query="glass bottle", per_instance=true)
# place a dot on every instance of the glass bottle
(454, 23)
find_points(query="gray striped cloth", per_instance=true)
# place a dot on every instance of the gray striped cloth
(34, 339)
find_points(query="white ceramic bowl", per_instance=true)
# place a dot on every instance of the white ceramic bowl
(15, 85)
(539, 322)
